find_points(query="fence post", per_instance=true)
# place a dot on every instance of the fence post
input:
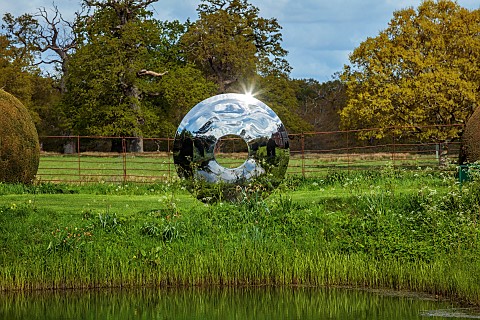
(348, 151)
(169, 160)
(78, 158)
(302, 137)
(124, 159)
(393, 150)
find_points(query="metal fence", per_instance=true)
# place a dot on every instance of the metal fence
(84, 159)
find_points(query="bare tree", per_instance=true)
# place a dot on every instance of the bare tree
(56, 35)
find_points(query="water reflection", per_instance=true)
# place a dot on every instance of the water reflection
(229, 303)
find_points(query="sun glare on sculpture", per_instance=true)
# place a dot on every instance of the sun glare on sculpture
(250, 93)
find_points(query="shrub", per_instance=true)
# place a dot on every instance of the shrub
(471, 138)
(19, 146)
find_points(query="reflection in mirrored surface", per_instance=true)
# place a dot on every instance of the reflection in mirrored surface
(232, 115)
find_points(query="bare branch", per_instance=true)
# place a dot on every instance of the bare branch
(50, 37)
(47, 62)
(144, 72)
(229, 82)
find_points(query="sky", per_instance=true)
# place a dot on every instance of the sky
(319, 35)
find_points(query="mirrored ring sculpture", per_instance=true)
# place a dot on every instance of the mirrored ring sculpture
(241, 116)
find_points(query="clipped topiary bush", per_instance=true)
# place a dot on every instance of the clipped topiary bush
(19, 146)
(471, 138)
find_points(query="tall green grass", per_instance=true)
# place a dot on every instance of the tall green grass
(381, 229)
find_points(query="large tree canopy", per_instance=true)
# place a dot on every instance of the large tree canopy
(103, 84)
(232, 44)
(17, 56)
(320, 103)
(278, 92)
(115, 76)
(422, 70)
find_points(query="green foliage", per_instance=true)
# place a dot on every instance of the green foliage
(128, 78)
(167, 230)
(278, 92)
(68, 239)
(124, 78)
(231, 43)
(320, 103)
(182, 88)
(40, 188)
(419, 71)
(19, 146)
(13, 75)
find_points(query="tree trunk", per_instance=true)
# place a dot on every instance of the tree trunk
(70, 147)
(136, 145)
(443, 155)
(133, 93)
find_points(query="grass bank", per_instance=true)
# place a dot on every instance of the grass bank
(380, 229)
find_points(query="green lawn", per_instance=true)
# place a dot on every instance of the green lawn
(78, 203)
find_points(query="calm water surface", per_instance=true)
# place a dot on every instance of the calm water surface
(228, 303)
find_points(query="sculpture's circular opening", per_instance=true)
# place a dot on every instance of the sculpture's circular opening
(231, 151)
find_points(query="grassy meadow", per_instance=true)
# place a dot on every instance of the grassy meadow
(388, 228)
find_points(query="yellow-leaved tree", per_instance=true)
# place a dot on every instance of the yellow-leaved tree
(420, 75)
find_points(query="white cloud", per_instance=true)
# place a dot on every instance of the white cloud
(318, 34)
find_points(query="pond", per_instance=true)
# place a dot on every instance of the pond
(227, 303)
